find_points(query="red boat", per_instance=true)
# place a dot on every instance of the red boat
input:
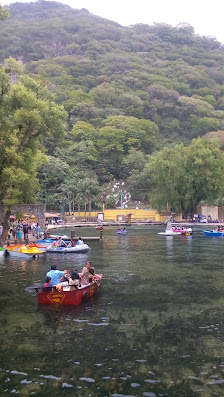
(50, 296)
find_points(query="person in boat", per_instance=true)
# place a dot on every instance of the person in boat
(48, 282)
(75, 279)
(88, 274)
(55, 275)
(71, 244)
(64, 281)
(61, 243)
(80, 241)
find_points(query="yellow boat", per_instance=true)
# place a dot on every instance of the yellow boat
(24, 251)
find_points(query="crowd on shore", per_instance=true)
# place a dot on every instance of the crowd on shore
(19, 229)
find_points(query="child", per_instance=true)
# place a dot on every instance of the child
(75, 279)
(48, 282)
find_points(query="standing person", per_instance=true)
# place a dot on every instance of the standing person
(25, 231)
(14, 232)
(19, 235)
(38, 230)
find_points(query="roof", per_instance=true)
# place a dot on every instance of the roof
(49, 215)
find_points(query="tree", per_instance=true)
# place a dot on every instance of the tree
(87, 191)
(27, 115)
(182, 177)
(4, 13)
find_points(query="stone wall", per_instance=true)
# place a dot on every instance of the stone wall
(38, 210)
(209, 211)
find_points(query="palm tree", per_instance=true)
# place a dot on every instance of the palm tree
(87, 190)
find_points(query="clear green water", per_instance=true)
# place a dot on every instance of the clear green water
(155, 329)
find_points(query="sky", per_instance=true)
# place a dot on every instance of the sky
(205, 16)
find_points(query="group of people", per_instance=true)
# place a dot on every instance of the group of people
(61, 243)
(63, 280)
(18, 229)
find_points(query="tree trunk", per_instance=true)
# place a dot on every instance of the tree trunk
(69, 206)
(5, 224)
(89, 207)
(85, 209)
(79, 207)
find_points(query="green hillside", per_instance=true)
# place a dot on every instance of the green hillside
(128, 91)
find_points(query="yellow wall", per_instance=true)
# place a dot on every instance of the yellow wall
(112, 214)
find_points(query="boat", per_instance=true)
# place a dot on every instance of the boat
(46, 242)
(50, 296)
(213, 233)
(23, 251)
(56, 237)
(77, 249)
(120, 231)
(2, 251)
(175, 231)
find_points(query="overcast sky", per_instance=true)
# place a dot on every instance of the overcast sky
(205, 16)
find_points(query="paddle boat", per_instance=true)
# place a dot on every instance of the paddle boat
(77, 249)
(213, 233)
(175, 231)
(121, 231)
(2, 251)
(68, 295)
(24, 251)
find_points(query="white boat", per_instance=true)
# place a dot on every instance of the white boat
(56, 237)
(77, 249)
(169, 230)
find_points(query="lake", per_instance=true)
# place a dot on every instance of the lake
(155, 329)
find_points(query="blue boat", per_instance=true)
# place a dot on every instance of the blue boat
(213, 233)
(45, 242)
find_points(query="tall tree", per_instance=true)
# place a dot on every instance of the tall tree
(28, 113)
(184, 176)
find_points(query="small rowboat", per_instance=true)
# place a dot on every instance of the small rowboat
(213, 233)
(77, 249)
(24, 251)
(50, 296)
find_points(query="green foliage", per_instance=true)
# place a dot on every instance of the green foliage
(4, 13)
(128, 91)
(183, 176)
(25, 119)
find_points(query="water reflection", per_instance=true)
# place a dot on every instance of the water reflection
(155, 329)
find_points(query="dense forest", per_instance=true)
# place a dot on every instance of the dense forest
(129, 93)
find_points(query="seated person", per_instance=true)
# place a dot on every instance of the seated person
(61, 243)
(88, 274)
(48, 282)
(55, 275)
(80, 241)
(64, 281)
(71, 244)
(48, 285)
(74, 279)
